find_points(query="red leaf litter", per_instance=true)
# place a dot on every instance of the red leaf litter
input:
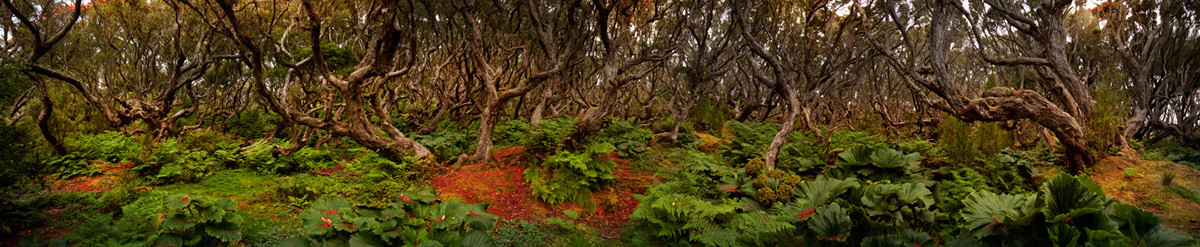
(501, 183)
(105, 181)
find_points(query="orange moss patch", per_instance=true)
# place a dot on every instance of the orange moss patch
(1145, 190)
(501, 184)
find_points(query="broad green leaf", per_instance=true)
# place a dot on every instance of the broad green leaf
(364, 239)
(858, 155)
(831, 222)
(177, 201)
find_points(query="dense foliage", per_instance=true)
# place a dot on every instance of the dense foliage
(599, 123)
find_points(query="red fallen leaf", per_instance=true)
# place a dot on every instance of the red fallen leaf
(351, 227)
(472, 214)
(185, 198)
(1069, 219)
(403, 198)
(730, 189)
(806, 212)
(916, 244)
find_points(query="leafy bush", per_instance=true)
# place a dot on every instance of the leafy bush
(1069, 211)
(194, 220)
(568, 176)
(448, 143)
(171, 163)
(24, 155)
(419, 218)
(71, 165)
(209, 141)
(966, 143)
(511, 132)
(375, 168)
(107, 146)
(261, 156)
(883, 164)
(550, 135)
(800, 153)
(1184, 156)
(1015, 171)
(629, 139)
(252, 123)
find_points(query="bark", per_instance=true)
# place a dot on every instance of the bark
(43, 121)
(1027, 104)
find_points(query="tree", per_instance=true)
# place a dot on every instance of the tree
(1041, 27)
(354, 104)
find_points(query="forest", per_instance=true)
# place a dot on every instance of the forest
(599, 123)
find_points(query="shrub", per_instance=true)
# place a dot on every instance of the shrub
(71, 165)
(568, 176)
(107, 146)
(23, 157)
(511, 132)
(629, 139)
(419, 218)
(800, 153)
(210, 141)
(966, 143)
(375, 168)
(251, 123)
(448, 143)
(1016, 171)
(883, 164)
(261, 156)
(195, 220)
(171, 163)
(1069, 211)
(550, 135)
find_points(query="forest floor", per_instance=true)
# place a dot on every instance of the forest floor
(1139, 182)
(500, 183)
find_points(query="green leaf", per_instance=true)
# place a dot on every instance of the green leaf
(177, 201)
(985, 212)
(477, 238)
(168, 240)
(176, 222)
(571, 213)
(858, 155)
(364, 239)
(1064, 235)
(226, 232)
(212, 214)
(891, 158)
(913, 192)
(1066, 193)
(294, 242)
(831, 222)
(822, 189)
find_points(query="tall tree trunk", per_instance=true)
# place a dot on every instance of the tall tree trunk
(487, 127)
(785, 130)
